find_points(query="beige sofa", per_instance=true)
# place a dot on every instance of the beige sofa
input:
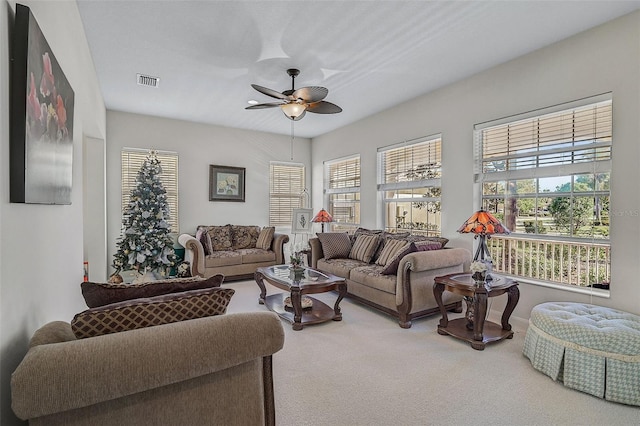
(406, 295)
(213, 370)
(220, 250)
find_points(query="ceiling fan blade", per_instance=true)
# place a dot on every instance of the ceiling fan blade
(263, 106)
(311, 94)
(269, 92)
(324, 107)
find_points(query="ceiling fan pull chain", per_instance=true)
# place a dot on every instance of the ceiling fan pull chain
(291, 139)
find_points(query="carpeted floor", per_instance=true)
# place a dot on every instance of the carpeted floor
(366, 370)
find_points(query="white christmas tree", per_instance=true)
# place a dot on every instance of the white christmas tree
(145, 244)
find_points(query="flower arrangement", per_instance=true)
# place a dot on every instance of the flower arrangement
(479, 269)
(296, 255)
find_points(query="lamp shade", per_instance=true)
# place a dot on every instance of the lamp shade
(483, 223)
(323, 216)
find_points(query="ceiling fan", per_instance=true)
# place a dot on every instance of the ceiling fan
(296, 102)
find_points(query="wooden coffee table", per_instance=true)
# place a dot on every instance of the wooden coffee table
(297, 283)
(473, 328)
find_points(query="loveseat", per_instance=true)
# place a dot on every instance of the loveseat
(235, 251)
(398, 280)
(212, 370)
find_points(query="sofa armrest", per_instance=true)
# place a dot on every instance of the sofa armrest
(277, 245)
(72, 374)
(434, 262)
(316, 251)
(193, 253)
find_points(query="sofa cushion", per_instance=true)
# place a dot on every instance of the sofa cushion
(391, 268)
(100, 294)
(255, 255)
(371, 276)
(223, 258)
(219, 238)
(244, 236)
(391, 248)
(364, 231)
(364, 247)
(335, 245)
(266, 237)
(148, 312)
(339, 267)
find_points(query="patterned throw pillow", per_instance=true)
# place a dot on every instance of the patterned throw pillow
(364, 231)
(427, 245)
(100, 294)
(219, 238)
(244, 236)
(201, 235)
(391, 248)
(391, 268)
(158, 310)
(418, 238)
(335, 245)
(364, 247)
(265, 237)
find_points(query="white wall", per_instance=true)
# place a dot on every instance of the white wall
(41, 246)
(198, 146)
(604, 59)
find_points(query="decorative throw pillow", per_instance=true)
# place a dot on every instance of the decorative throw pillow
(219, 238)
(335, 245)
(364, 231)
(266, 237)
(100, 294)
(364, 247)
(427, 245)
(384, 236)
(391, 248)
(201, 235)
(244, 236)
(441, 240)
(149, 312)
(391, 268)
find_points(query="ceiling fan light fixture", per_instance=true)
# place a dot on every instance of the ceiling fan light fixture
(294, 110)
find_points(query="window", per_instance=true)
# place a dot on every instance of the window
(131, 162)
(286, 186)
(342, 188)
(409, 183)
(546, 175)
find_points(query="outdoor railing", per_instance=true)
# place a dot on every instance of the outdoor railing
(568, 262)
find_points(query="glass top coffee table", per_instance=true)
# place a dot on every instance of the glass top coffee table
(292, 305)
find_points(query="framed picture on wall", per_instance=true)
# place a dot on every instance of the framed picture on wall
(41, 119)
(301, 221)
(226, 183)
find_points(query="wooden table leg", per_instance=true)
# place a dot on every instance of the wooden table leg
(438, 289)
(479, 314)
(342, 291)
(296, 302)
(263, 291)
(513, 295)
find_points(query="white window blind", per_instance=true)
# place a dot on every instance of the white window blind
(131, 162)
(570, 141)
(342, 187)
(413, 164)
(286, 186)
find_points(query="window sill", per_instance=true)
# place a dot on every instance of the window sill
(597, 292)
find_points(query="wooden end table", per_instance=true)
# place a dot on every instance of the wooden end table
(473, 328)
(297, 283)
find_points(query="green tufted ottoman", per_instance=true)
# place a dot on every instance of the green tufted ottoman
(589, 348)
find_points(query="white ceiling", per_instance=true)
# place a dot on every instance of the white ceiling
(371, 55)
